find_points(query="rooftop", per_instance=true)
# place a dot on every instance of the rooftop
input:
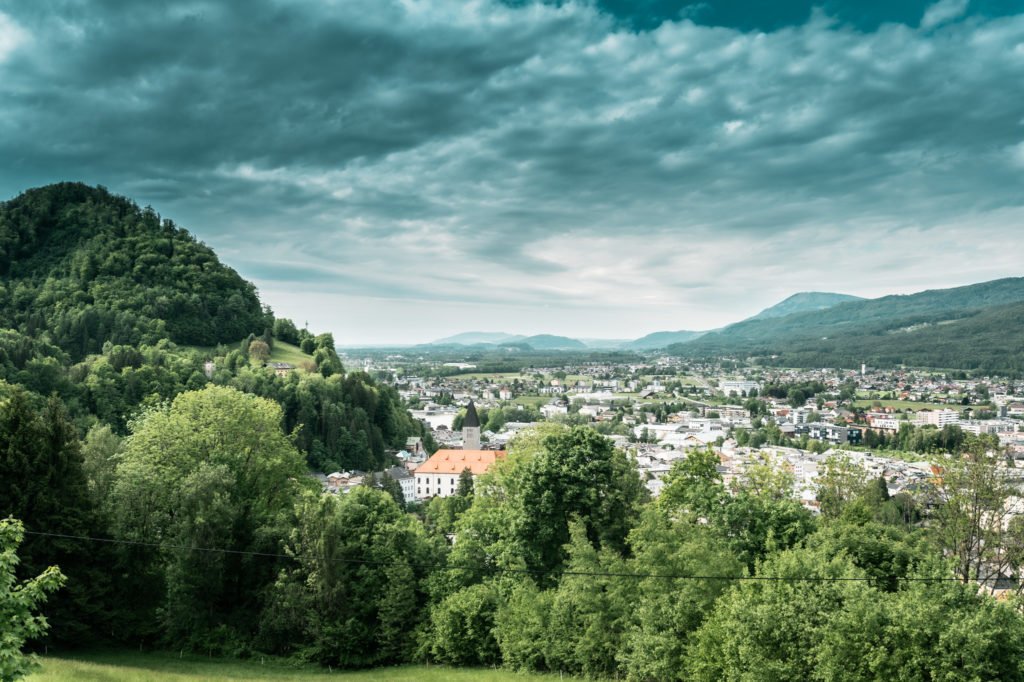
(454, 461)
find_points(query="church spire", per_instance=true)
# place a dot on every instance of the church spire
(472, 419)
(471, 428)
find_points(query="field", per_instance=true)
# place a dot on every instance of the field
(493, 376)
(532, 400)
(906, 405)
(163, 667)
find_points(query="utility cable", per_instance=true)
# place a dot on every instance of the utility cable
(493, 568)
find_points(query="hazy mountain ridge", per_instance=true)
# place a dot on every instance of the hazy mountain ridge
(800, 302)
(805, 301)
(473, 338)
(657, 340)
(974, 326)
(553, 342)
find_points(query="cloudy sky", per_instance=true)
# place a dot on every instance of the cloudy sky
(400, 170)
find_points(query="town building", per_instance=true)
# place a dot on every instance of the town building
(937, 418)
(281, 369)
(405, 479)
(739, 388)
(439, 475)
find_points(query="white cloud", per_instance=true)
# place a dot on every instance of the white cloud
(12, 36)
(943, 11)
(1016, 154)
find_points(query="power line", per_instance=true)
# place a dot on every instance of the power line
(493, 568)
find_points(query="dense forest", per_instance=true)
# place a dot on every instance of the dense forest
(979, 327)
(83, 267)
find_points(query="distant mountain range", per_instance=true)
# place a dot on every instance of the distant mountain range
(806, 301)
(474, 338)
(501, 339)
(978, 327)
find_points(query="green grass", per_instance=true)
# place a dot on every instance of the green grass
(494, 376)
(282, 352)
(129, 666)
(286, 352)
(532, 400)
(907, 404)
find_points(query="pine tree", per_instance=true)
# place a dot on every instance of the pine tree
(465, 488)
(42, 482)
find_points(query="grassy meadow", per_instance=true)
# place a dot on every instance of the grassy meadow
(286, 352)
(282, 352)
(167, 667)
(906, 405)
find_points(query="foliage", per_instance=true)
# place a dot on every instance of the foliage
(354, 593)
(19, 603)
(41, 480)
(840, 482)
(210, 469)
(520, 516)
(344, 421)
(90, 267)
(971, 516)
(694, 485)
(667, 611)
(461, 628)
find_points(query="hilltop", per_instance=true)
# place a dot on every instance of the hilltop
(110, 306)
(804, 301)
(90, 267)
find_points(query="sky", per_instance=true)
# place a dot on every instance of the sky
(396, 171)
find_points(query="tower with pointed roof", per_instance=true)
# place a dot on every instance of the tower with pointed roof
(471, 429)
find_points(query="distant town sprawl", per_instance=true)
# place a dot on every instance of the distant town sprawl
(888, 422)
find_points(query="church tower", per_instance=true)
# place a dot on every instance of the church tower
(471, 429)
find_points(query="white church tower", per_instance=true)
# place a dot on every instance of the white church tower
(471, 429)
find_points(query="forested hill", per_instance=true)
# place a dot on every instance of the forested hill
(87, 267)
(972, 327)
(115, 310)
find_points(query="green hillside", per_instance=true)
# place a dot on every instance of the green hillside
(972, 327)
(89, 267)
(111, 307)
(286, 352)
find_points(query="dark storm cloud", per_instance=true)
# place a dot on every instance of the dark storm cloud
(466, 151)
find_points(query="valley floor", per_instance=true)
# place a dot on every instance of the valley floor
(166, 667)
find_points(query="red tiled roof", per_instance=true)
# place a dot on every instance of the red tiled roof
(454, 461)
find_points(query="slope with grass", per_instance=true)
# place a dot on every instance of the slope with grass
(163, 667)
(286, 352)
